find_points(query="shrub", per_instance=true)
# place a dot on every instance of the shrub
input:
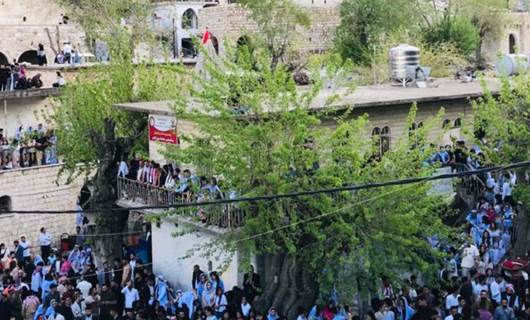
(459, 31)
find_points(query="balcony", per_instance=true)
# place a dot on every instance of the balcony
(30, 93)
(136, 194)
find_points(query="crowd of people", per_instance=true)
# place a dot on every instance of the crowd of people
(31, 146)
(15, 77)
(459, 157)
(478, 280)
(182, 182)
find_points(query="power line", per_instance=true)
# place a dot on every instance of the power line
(329, 213)
(372, 185)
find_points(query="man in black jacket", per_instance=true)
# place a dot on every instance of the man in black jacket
(195, 277)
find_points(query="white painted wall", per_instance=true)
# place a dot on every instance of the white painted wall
(168, 253)
(23, 112)
(165, 12)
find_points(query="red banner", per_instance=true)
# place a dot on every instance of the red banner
(163, 129)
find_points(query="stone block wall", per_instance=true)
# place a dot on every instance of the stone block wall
(26, 23)
(37, 188)
(230, 22)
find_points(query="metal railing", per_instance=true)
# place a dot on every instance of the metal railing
(219, 215)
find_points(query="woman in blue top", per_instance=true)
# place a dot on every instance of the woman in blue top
(216, 281)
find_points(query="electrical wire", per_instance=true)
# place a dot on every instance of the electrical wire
(372, 185)
(329, 213)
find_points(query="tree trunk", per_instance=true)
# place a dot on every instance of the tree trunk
(288, 284)
(104, 195)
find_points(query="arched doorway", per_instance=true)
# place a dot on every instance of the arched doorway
(5, 204)
(189, 20)
(29, 56)
(188, 48)
(3, 59)
(512, 43)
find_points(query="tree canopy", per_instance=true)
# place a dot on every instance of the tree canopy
(278, 145)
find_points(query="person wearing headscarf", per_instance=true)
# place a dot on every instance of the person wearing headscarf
(272, 314)
(208, 295)
(161, 292)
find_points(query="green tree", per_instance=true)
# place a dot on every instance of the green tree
(489, 18)
(308, 244)
(278, 21)
(92, 135)
(364, 23)
(459, 31)
(502, 124)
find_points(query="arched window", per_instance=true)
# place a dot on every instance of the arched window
(382, 140)
(5, 204)
(29, 56)
(458, 123)
(3, 59)
(189, 20)
(512, 43)
(446, 123)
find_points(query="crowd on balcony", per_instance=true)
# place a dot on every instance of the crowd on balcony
(31, 146)
(15, 77)
(182, 182)
(476, 281)
(459, 157)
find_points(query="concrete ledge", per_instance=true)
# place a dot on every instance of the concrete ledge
(172, 218)
(30, 93)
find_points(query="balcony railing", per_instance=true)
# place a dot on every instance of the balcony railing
(220, 215)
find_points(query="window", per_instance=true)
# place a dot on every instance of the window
(512, 44)
(446, 123)
(29, 56)
(382, 139)
(189, 20)
(5, 204)
(458, 123)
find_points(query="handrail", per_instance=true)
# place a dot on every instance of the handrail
(222, 216)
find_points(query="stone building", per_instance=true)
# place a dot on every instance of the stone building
(36, 188)
(230, 22)
(26, 23)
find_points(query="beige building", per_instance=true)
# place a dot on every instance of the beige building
(36, 188)
(26, 23)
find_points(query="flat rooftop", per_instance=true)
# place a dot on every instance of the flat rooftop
(440, 90)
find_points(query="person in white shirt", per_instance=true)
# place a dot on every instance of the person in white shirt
(123, 169)
(131, 295)
(245, 307)
(453, 311)
(78, 307)
(507, 191)
(45, 242)
(469, 255)
(496, 289)
(452, 299)
(84, 286)
(25, 246)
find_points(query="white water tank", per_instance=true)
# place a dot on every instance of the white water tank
(512, 64)
(402, 58)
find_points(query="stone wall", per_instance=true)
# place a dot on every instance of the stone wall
(37, 188)
(230, 22)
(26, 23)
